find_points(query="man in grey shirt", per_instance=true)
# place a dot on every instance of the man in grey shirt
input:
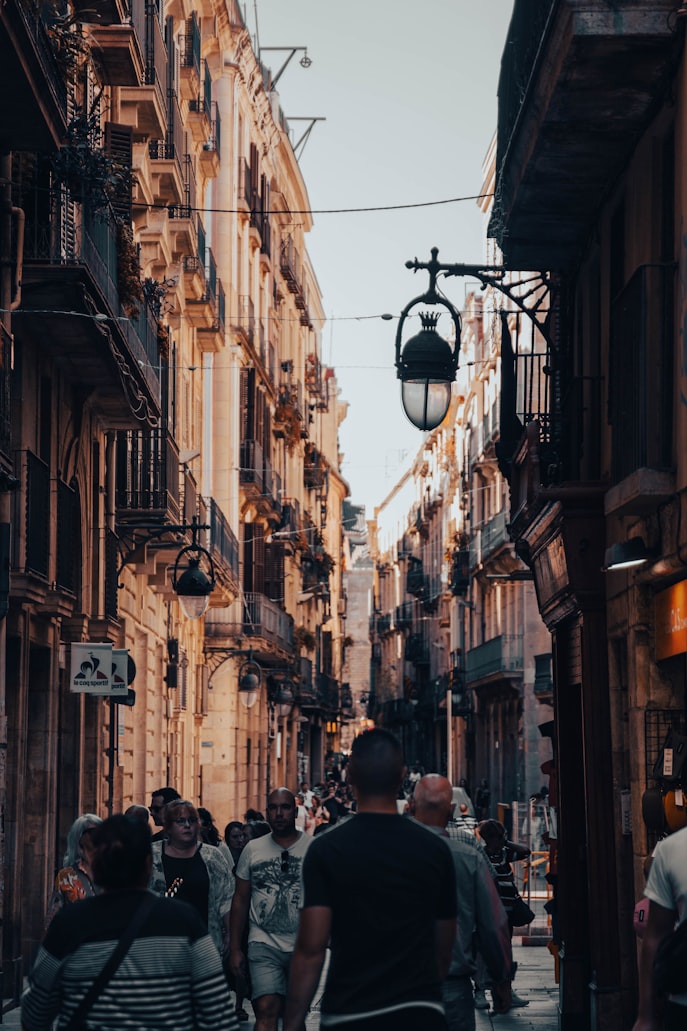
(480, 910)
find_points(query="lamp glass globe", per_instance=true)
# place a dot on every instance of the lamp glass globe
(194, 605)
(425, 401)
(248, 698)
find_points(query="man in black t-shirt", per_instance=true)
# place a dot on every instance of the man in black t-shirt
(381, 891)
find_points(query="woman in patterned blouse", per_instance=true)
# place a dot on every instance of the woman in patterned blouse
(75, 880)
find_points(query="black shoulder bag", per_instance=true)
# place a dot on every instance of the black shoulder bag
(118, 954)
(670, 964)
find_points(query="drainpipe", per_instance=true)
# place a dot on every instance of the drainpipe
(18, 214)
(6, 291)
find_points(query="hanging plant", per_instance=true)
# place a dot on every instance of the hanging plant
(326, 565)
(304, 638)
(163, 341)
(92, 176)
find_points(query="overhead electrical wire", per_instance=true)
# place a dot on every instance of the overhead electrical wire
(319, 211)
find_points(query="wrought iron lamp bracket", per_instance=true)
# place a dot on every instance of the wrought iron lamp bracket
(140, 534)
(532, 294)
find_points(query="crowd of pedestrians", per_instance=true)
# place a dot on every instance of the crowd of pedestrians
(373, 869)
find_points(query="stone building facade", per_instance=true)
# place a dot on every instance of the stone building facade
(162, 390)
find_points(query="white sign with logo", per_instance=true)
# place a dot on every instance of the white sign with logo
(91, 668)
(120, 671)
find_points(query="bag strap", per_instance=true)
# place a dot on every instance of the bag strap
(116, 957)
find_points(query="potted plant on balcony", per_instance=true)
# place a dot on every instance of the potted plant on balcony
(287, 420)
(69, 44)
(128, 271)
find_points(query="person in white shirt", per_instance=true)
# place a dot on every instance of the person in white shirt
(301, 813)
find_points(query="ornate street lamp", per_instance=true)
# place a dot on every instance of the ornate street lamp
(281, 696)
(426, 364)
(194, 587)
(250, 679)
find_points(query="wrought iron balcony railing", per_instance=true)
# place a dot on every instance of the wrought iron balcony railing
(503, 654)
(147, 476)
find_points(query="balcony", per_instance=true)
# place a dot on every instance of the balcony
(416, 650)
(101, 12)
(403, 620)
(209, 153)
(265, 619)
(578, 85)
(224, 551)
(417, 582)
(497, 659)
(72, 266)
(327, 692)
(291, 524)
(268, 628)
(290, 266)
(201, 310)
(200, 110)
(246, 191)
(384, 624)
(147, 478)
(252, 474)
(244, 322)
(190, 59)
(261, 485)
(306, 687)
(460, 572)
(117, 53)
(167, 157)
(314, 469)
(34, 116)
(184, 222)
(211, 338)
(488, 539)
(145, 106)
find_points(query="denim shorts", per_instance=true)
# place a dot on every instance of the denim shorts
(269, 969)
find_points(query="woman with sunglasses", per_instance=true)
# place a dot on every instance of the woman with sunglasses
(186, 868)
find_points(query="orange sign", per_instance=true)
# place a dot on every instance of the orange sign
(671, 621)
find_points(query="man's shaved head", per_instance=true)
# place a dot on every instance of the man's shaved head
(433, 799)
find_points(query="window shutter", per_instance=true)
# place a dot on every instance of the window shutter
(119, 146)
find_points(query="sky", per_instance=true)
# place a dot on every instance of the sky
(407, 91)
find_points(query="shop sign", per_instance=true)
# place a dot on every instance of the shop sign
(119, 677)
(671, 621)
(91, 668)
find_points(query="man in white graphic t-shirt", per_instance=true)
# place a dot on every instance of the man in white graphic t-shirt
(268, 884)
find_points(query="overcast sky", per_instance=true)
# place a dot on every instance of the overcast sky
(408, 94)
